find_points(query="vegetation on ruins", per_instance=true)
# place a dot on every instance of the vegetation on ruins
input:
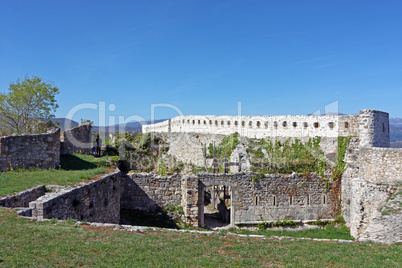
(146, 152)
(28, 106)
(226, 147)
(340, 164)
(274, 157)
(28, 243)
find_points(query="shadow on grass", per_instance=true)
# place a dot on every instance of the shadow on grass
(72, 162)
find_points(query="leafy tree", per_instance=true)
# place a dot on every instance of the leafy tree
(28, 106)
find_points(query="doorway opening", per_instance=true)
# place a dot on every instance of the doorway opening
(216, 207)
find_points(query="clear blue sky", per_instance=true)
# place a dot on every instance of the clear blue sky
(275, 57)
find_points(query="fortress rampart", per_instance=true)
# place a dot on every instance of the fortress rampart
(372, 127)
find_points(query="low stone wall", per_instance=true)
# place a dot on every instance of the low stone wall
(270, 198)
(97, 201)
(23, 198)
(149, 191)
(77, 140)
(25, 151)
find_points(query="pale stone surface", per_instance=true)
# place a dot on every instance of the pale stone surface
(295, 126)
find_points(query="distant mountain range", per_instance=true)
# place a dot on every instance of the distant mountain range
(131, 126)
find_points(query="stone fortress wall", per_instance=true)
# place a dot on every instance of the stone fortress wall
(43, 150)
(370, 184)
(372, 193)
(269, 198)
(25, 151)
(77, 139)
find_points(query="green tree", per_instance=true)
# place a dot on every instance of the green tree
(28, 106)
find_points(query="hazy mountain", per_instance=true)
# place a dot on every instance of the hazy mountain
(132, 126)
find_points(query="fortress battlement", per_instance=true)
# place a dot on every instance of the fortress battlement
(371, 126)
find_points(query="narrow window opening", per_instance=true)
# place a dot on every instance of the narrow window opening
(285, 124)
(228, 123)
(331, 125)
(274, 201)
(193, 122)
(243, 124)
(250, 124)
(258, 124)
(383, 127)
(294, 124)
(275, 124)
(266, 124)
(346, 124)
(324, 199)
(236, 123)
(316, 125)
(199, 122)
(290, 200)
(305, 124)
(256, 200)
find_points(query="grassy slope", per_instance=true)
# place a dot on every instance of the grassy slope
(25, 243)
(73, 169)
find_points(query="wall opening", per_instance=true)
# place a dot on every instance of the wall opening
(216, 209)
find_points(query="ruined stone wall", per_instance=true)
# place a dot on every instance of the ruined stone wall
(77, 140)
(351, 172)
(96, 201)
(25, 151)
(271, 198)
(189, 147)
(374, 128)
(372, 179)
(381, 165)
(149, 191)
(295, 126)
(23, 198)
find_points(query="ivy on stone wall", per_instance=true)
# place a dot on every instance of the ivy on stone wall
(340, 164)
(226, 147)
(273, 157)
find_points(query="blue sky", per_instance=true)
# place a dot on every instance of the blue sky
(203, 57)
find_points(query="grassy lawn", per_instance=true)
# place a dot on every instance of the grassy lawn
(45, 244)
(73, 169)
(327, 232)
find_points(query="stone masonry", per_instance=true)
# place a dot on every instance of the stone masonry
(25, 151)
(96, 201)
(77, 140)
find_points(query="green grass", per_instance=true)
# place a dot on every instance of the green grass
(73, 169)
(51, 243)
(327, 232)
